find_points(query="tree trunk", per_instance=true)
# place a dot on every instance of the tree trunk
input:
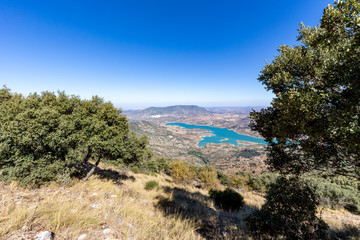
(92, 169)
(88, 155)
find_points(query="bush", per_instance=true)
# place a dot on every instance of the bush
(181, 171)
(228, 200)
(336, 192)
(135, 169)
(208, 176)
(223, 178)
(150, 185)
(64, 179)
(289, 213)
(261, 182)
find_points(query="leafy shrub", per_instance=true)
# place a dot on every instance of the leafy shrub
(150, 185)
(289, 213)
(135, 169)
(180, 171)
(261, 182)
(223, 178)
(208, 176)
(43, 135)
(336, 192)
(237, 181)
(228, 200)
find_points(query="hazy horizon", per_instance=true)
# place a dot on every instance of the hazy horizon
(203, 106)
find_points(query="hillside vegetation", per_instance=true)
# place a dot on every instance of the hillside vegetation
(115, 204)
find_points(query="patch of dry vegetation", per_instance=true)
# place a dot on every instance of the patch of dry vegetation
(129, 211)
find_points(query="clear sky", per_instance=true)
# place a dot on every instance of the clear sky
(140, 53)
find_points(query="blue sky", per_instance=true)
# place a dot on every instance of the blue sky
(141, 53)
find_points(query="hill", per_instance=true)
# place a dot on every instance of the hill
(170, 111)
(116, 205)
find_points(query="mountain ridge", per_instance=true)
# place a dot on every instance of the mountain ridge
(175, 110)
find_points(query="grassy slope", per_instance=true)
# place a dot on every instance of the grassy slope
(171, 211)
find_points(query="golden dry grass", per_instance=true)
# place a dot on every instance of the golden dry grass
(172, 211)
(89, 207)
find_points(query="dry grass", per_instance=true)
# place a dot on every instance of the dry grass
(171, 211)
(89, 207)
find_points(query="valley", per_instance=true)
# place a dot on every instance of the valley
(175, 142)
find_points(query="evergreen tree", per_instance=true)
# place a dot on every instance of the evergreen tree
(313, 122)
(43, 135)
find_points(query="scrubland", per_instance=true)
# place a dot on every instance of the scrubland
(120, 205)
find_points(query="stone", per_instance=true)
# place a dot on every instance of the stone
(95, 205)
(107, 231)
(82, 236)
(44, 235)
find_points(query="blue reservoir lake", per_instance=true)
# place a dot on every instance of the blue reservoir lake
(220, 135)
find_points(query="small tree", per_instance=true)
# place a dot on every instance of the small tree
(289, 212)
(228, 200)
(45, 134)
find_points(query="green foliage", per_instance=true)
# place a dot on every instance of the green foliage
(150, 166)
(223, 178)
(336, 191)
(228, 200)
(135, 169)
(289, 213)
(150, 185)
(261, 182)
(332, 191)
(313, 122)
(44, 135)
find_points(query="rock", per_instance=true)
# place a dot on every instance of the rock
(96, 205)
(44, 235)
(82, 237)
(107, 231)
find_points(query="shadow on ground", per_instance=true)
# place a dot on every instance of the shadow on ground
(348, 232)
(212, 223)
(108, 174)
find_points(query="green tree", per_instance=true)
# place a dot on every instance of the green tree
(289, 213)
(313, 122)
(43, 135)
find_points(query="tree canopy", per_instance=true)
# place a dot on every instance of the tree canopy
(313, 121)
(46, 134)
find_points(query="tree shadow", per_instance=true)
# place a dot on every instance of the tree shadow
(347, 232)
(108, 174)
(213, 223)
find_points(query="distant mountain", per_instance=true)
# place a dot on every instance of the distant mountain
(171, 111)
